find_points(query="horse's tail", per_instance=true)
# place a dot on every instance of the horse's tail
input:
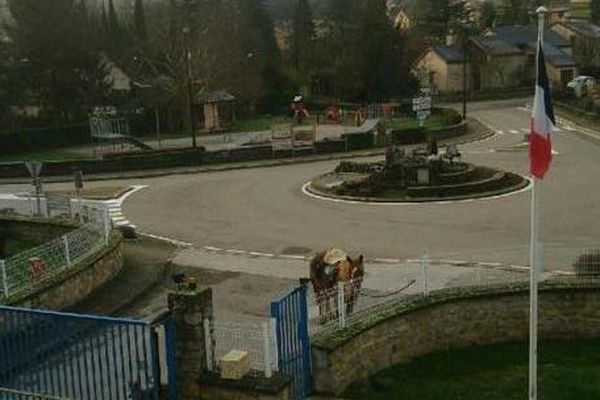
(315, 264)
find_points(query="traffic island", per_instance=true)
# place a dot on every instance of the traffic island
(423, 176)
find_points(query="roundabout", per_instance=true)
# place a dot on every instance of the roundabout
(267, 211)
(416, 179)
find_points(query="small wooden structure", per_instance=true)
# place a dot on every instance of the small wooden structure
(234, 365)
(218, 108)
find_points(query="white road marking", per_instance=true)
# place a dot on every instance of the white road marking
(235, 251)
(514, 131)
(387, 260)
(211, 248)
(291, 257)
(259, 254)
(166, 239)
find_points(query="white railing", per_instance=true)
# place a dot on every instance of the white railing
(423, 276)
(257, 339)
(29, 268)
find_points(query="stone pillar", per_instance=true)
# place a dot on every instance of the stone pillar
(189, 307)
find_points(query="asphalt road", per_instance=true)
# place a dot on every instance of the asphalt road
(265, 210)
(250, 228)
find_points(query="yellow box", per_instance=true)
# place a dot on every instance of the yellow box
(234, 365)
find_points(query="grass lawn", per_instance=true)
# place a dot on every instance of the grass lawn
(566, 370)
(580, 11)
(42, 155)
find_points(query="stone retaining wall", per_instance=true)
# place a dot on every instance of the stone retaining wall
(449, 319)
(71, 287)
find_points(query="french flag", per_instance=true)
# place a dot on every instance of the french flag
(542, 123)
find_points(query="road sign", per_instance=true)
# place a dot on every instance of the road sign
(34, 168)
(78, 179)
(421, 103)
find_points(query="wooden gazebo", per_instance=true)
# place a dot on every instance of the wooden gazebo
(218, 109)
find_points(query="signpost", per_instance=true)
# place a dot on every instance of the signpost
(422, 105)
(35, 168)
(78, 181)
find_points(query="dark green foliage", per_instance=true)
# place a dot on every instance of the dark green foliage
(595, 11)
(517, 12)
(495, 372)
(587, 265)
(303, 37)
(139, 21)
(58, 54)
(362, 55)
(488, 15)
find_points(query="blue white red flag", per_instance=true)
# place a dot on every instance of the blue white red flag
(542, 123)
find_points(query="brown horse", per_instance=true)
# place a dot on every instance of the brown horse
(326, 270)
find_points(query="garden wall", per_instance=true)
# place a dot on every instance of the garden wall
(73, 284)
(453, 318)
(190, 157)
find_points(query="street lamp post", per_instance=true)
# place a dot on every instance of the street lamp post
(465, 89)
(465, 86)
(188, 73)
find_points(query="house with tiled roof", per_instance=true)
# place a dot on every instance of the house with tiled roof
(584, 38)
(500, 58)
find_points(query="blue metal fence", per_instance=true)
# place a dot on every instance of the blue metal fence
(77, 356)
(293, 343)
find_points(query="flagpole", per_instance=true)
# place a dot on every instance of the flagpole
(534, 247)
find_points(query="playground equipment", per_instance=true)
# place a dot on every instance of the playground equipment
(294, 137)
(110, 133)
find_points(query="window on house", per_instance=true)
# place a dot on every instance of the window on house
(566, 76)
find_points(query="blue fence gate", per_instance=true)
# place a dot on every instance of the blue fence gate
(76, 356)
(293, 343)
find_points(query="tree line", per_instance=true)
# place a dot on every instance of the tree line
(58, 54)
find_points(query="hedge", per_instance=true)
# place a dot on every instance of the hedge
(68, 135)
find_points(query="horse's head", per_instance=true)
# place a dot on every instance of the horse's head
(357, 268)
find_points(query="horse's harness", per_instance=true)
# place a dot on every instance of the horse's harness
(329, 268)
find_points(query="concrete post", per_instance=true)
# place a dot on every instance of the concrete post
(67, 254)
(4, 278)
(190, 306)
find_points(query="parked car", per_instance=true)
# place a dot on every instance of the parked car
(581, 86)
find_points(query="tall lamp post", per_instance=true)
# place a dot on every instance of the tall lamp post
(466, 28)
(188, 73)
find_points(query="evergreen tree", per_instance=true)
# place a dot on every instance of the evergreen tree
(114, 34)
(66, 74)
(303, 37)
(487, 15)
(113, 20)
(595, 5)
(139, 21)
(362, 54)
(516, 12)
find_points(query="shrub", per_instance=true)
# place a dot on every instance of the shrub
(587, 265)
